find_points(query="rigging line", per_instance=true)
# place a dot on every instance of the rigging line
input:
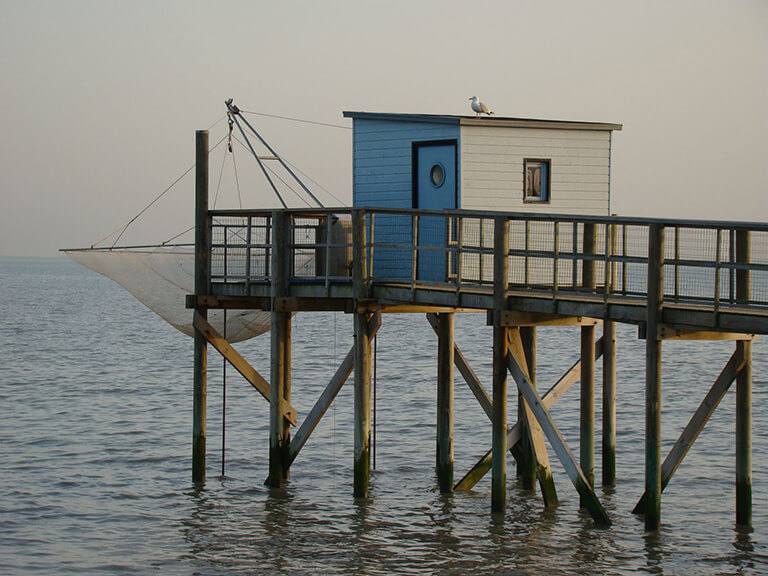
(299, 196)
(147, 207)
(296, 119)
(259, 162)
(315, 182)
(287, 168)
(237, 180)
(177, 235)
(221, 174)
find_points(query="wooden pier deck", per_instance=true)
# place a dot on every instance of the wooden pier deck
(674, 279)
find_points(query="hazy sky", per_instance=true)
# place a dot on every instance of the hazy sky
(100, 100)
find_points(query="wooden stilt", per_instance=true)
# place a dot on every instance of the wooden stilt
(202, 237)
(499, 422)
(280, 364)
(653, 378)
(609, 404)
(587, 402)
(445, 361)
(587, 405)
(526, 461)
(362, 370)
(744, 392)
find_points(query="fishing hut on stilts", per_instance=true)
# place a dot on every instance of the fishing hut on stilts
(506, 216)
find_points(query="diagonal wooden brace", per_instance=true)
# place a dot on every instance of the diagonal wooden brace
(240, 364)
(466, 372)
(557, 442)
(514, 434)
(329, 394)
(696, 424)
(516, 355)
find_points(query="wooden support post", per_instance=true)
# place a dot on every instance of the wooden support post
(587, 402)
(499, 422)
(445, 360)
(526, 461)
(280, 365)
(362, 400)
(202, 267)
(653, 377)
(744, 392)
(609, 403)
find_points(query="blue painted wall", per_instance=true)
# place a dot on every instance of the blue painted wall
(382, 155)
(383, 177)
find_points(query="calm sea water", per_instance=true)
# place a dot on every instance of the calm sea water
(96, 392)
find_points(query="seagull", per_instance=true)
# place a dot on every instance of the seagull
(480, 107)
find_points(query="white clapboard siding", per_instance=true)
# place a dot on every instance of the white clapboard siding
(492, 161)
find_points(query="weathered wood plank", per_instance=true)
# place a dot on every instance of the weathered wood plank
(238, 362)
(564, 454)
(696, 424)
(328, 396)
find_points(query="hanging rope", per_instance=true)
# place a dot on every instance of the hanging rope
(224, 402)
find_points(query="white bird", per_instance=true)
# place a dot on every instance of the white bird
(480, 107)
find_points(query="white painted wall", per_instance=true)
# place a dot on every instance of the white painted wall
(492, 169)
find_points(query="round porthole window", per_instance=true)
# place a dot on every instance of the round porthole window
(437, 175)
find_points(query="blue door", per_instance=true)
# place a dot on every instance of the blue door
(435, 181)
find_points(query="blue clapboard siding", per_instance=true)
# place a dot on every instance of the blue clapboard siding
(383, 177)
(382, 158)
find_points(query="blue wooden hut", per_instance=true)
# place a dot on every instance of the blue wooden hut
(436, 162)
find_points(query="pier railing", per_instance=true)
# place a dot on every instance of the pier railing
(717, 265)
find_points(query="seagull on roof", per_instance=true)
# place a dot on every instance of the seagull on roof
(480, 107)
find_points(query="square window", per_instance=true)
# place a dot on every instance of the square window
(536, 181)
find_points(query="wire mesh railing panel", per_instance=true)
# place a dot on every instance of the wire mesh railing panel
(716, 266)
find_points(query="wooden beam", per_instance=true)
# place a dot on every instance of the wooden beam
(699, 419)
(587, 406)
(516, 318)
(514, 434)
(328, 396)
(516, 356)
(466, 372)
(667, 332)
(564, 454)
(609, 404)
(500, 343)
(238, 362)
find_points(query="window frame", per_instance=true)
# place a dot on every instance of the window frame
(542, 198)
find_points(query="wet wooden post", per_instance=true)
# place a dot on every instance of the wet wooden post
(744, 392)
(526, 463)
(280, 361)
(202, 273)
(587, 403)
(362, 370)
(500, 347)
(445, 359)
(608, 451)
(653, 484)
